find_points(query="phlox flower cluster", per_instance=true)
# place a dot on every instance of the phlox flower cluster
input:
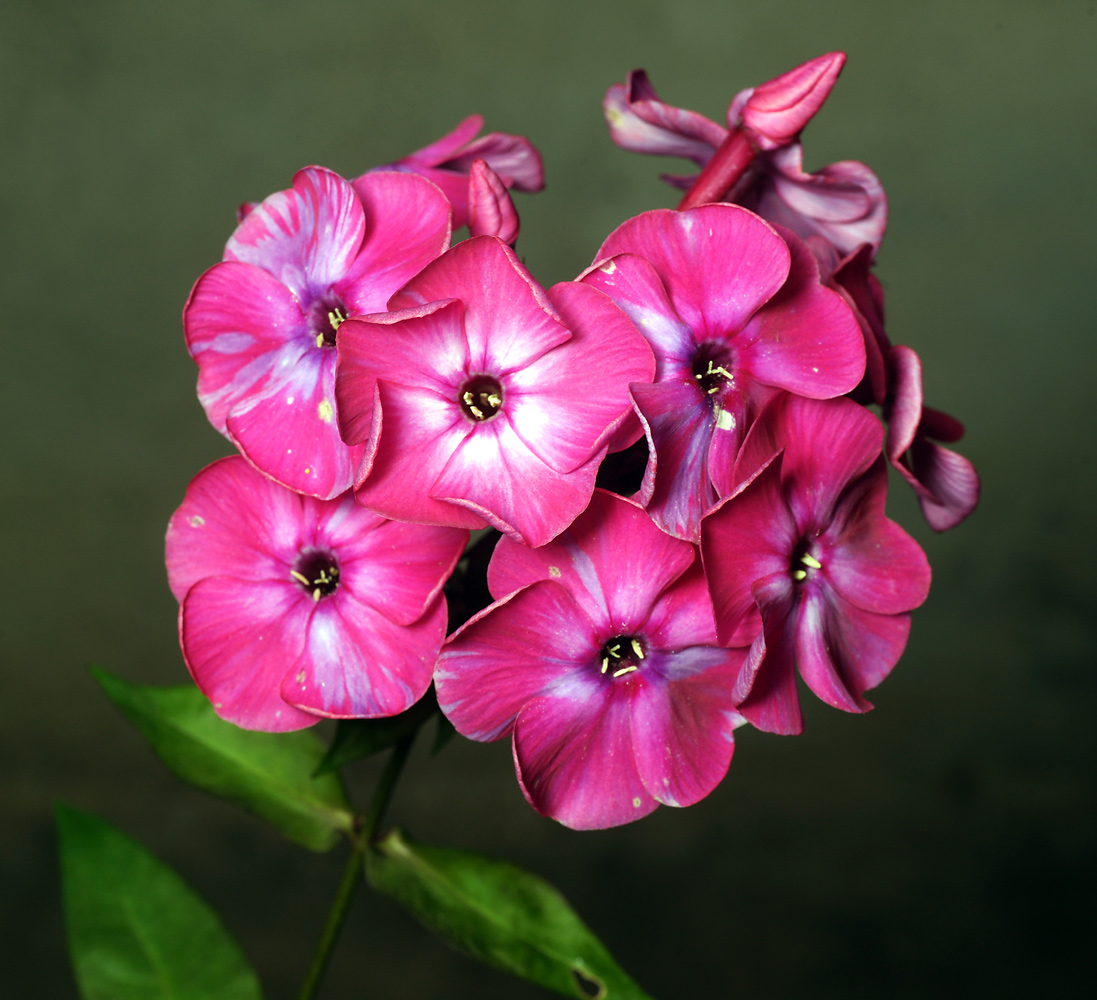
(674, 456)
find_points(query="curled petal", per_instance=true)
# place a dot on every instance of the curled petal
(491, 210)
(949, 479)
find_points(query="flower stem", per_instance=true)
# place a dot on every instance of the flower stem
(719, 175)
(365, 828)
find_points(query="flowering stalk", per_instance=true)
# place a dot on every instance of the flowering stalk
(720, 174)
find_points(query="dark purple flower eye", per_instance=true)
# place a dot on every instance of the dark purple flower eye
(317, 571)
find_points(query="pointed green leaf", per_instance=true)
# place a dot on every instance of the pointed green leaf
(356, 739)
(499, 914)
(268, 773)
(135, 930)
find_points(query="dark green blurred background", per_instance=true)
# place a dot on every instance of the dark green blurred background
(942, 844)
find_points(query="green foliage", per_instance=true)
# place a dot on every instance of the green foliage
(135, 930)
(271, 774)
(499, 914)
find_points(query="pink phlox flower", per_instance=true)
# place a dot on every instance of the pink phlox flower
(262, 325)
(448, 161)
(491, 210)
(293, 608)
(844, 202)
(806, 545)
(734, 314)
(483, 399)
(599, 660)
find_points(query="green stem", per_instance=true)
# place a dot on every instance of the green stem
(352, 874)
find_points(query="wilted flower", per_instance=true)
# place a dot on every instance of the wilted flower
(262, 325)
(482, 399)
(599, 660)
(807, 545)
(293, 608)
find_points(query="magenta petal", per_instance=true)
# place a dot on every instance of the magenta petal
(905, 410)
(509, 320)
(765, 691)
(747, 538)
(613, 559)
(679, 426)
(843, 651)
(413, 434)
(492, 473)
(720, 263)
(289, 431)
(241, 325)
(637, 289)
(949, 479)
(807, 339)
(574, 755)
(239, 639)
(448, 145)
(776, 111)
(306, 236)
(491, 210)
(234, 521)
(573, 399)
(407, 226)
(682, 615)
(395, 567)
(357, 664)
(874, 563)
(683, 722)
(513, 157)
(521, 647)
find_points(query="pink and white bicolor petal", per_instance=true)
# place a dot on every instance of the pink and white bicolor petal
(357, 664)
(573, 751)
(306, 236)
(239, 638)
(519, 648)
(243, 327)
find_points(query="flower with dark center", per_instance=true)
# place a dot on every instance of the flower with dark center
(293, 608)
(599, 660)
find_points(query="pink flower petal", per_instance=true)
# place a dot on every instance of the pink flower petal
(683, 722)
(638, 291)
(289, 430)
(242, 326)
(232, 522)
(679, 425)
(239, 638)
(682, 615)
(509, 321)
(492, 473)
(748, 537)
(513, 157)
(843, 651)
(448, 145)
(574, 755)
(874, 563)
(719, 263)
(414, 433)
(306, 236)
(572, 400)
(521, 647)
(408, 224)
(807, 339)
(949, 479)
(765, 692)
(357, 664)
(613, 559)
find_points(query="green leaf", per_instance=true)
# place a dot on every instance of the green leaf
(268, 773)
(359, 738)
(135, 930)
(499, 914)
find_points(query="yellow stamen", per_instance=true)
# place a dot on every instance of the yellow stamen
(300, 577)
(810, 560)
(636, 648)
(316, 595)
(605, 663)
(800, 574)
(624, 670)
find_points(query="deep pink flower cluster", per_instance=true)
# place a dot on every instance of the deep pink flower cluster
(388, 393)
